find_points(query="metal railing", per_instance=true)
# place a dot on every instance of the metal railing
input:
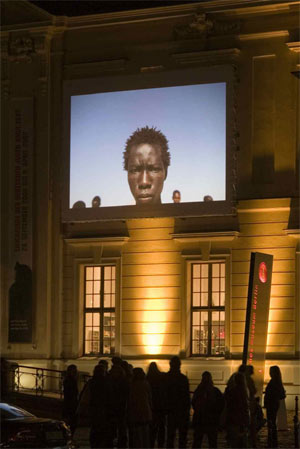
(38, 381)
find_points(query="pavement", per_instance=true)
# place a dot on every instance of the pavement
(285, 437)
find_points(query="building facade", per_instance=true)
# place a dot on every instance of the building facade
(147, 284)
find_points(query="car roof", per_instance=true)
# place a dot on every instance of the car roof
(14, 409)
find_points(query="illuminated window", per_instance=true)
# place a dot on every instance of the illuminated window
(99, 309)
(208, 309)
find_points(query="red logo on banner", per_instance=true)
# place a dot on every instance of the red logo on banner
(262, 272)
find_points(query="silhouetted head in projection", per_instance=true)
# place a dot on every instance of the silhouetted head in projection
(146, 159)
(176, 196)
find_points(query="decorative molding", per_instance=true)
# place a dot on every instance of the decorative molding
(151, 69)
(216, 57)
(293, 46)
(266, 35)
(21, 49)
(202, 27)
(293, 233)
(97, 241)
(93, 69)
(226, 236)
(198, 28)
(221, 27)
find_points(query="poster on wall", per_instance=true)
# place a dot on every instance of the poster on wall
(21, 182)
(257, 316)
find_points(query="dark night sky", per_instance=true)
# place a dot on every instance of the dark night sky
(87, 7)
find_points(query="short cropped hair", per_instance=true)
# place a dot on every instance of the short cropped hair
(153, 137)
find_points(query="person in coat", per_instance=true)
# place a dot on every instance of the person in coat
(70, 397)
(273, 394)
(208, 403)
(139, 411)
(178, 404)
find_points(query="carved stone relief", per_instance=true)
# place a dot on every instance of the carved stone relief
(202, 26)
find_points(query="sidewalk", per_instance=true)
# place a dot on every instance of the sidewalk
(285, 438)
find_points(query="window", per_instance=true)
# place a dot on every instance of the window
(208, 309)
(99, 309)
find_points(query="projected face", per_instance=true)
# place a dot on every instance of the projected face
(146, 173)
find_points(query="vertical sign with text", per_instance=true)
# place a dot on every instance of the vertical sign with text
(257, 316)
(21, 188)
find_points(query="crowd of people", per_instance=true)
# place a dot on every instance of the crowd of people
(125, 407)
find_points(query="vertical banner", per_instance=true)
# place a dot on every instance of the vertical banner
(256, 326)
(21, 183)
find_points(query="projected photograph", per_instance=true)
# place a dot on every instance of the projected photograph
(148, 146)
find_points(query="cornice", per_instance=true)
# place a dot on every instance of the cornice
(264, 35)
(97, 241)
(205, 57)
(193, 237)
(293, 46)
(235, 7)
(81, 70)
(293, 233)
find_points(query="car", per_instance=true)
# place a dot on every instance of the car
(21, 429)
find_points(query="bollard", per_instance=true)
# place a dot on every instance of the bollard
(296, 424)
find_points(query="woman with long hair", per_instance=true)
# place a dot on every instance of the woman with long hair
(273, 394)
(157, 382)
(208, 403)
(237, 412)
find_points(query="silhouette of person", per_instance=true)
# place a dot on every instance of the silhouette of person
(273, 394)
(178, 404)
(146, 159)
(96, 201)
(157, 382)
(176, 196)
(208, 403)
(208, 198)
(70, 403)
(79, 205)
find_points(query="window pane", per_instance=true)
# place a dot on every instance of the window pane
(96, 319)
(204, 299)
(204, 270)
(196, 285)
(216, 270)
(223, 284)
(107, 301)
(107, 272)
(196, 271)
(107, 286)
(196, 318)
(97, 273)
(215, 299)
(89, 273)
(215, 284)
(199, 332)
(88, 319)
(89, 287)
(96, 300)
(222, 269)
(196, 299)
(88, 301)
(222, 299)
(97, 286)
(204, 285)
(113, 273)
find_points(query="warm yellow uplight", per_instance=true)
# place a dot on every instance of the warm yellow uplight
(153, 331)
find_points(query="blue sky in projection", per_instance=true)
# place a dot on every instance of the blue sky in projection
(193, 119)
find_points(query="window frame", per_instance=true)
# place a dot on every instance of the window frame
(224, 258)
(101, 309)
